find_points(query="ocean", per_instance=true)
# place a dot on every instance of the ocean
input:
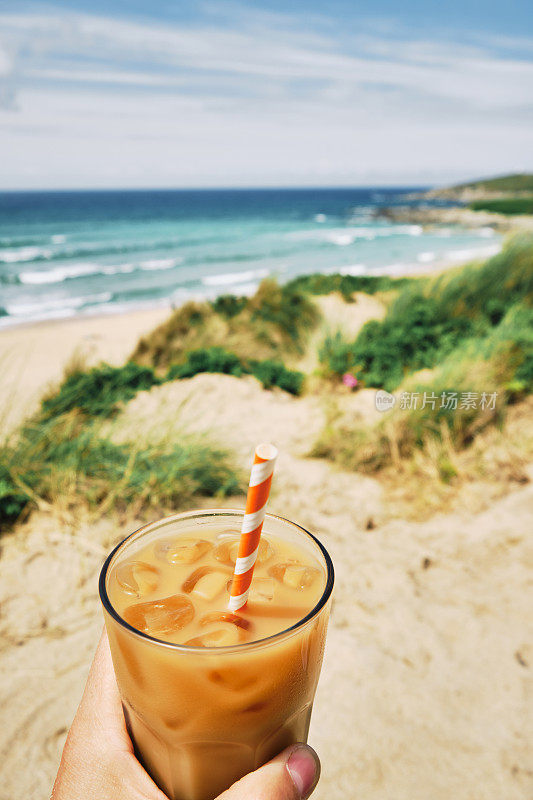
(64, 254)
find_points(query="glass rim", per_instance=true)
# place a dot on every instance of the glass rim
(267, 640)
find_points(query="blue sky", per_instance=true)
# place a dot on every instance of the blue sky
(120, 94)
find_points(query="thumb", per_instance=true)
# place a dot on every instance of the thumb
(292, 775)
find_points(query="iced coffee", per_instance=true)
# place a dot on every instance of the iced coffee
(209, 694)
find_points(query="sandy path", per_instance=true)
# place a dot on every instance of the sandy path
(425, 684)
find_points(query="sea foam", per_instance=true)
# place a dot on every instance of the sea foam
(229, 278)
(29, 309)
(21, 254)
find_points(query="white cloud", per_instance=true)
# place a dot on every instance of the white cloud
(113, 102)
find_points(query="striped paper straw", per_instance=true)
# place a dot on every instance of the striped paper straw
(252, 523)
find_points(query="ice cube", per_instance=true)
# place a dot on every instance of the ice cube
(263, 554)
(300, 577)
(189, 583)
(234, 678)
(277, 571)
(137, 578)
(226, 616)
(181, 551)
(211, 585)
(167, 615)
(295, 575)
(227, 549)
(261, 590)
(223, 546)
(224, 636)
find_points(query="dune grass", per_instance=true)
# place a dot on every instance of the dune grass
(471, 334)
(346, 285)
(98, 392)
(427, 321)
(275, 323)
(68, 462)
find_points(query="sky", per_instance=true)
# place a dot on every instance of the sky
(130, 93)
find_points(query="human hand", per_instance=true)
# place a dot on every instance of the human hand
(98, 761)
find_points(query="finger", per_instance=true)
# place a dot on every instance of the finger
(101, 700)
(290, 776)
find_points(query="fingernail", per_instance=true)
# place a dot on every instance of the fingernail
(304, 769)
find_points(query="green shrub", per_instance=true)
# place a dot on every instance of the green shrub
(274, 373)
(427, 322)
(228, 305)
(13, 501)
(336, 354)
(415, 334)
(98, 392)
(216, 359)
(212, 359)
(505, 205)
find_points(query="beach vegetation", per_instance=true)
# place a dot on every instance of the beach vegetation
(215, 359)
(229, 305)
(346, 285)
(282, 311)
(102, 391)
(190, 327)
(274, 323)
(98, 392)
(518, 182)
(207, 359)
(273, 373)
(469, 335)
(336, 354)
(429, 320)
(67, 461)
(505, 205)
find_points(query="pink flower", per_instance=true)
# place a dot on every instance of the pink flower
(349, 380)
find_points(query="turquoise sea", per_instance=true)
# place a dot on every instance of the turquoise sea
(70, 253)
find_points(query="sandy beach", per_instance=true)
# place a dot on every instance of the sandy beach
(427, 676)
(33, 356)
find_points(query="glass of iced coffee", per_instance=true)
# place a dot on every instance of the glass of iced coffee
(210, 695)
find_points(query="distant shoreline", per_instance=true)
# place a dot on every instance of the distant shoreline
(429, 216)
(503, 203)
(415, 269)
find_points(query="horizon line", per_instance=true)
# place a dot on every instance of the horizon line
(261, 188)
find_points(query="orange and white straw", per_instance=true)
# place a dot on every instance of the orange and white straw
(252, 524)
